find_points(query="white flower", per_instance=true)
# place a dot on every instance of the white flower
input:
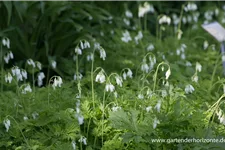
(6, 42)
(102, 53)
(26, 89)
(6, 122)
(90, 57)
(158, 106)
(155, 122)
(86, 44)
(145, 67)
(109, 87)
(53, 64)
(194, 78)
(115, 108)
(189, 89)
(126, 37)
(79, 76)
(164, 93)
(31, 62)
(16, 72)
(96, 46)
(25, 118)
(24, 73)
(35, 115)
(73, 145)
(198, 67)
(124, 75)
(140, 96)
(57, 82)
(129, 73)
(183, 56)
(8, 78)
(205, 45)
(115, 94)
(168, 72)
(100, 77)
(165, 19)
(78, 51)
(126, 21)
(81, 45)
(148, 108)
(188, 64)
(119, 81)
(138, 37)
(190, 7)
(128, 14)
(83, 139)
(145, 9)
(41, 76)
(80, 120)
(150, 47)
(8, 56)
(179, 34)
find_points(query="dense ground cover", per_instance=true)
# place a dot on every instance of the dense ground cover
(89, 75)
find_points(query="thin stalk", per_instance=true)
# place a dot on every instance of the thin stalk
(2, 66)
(92, 81)
(103, 113)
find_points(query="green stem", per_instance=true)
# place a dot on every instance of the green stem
(180, 19)
(92, 81)
(2, 67)
(103, 113)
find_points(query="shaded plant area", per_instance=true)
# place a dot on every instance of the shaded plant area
(110, 76)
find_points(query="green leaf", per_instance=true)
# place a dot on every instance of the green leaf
(8, 5)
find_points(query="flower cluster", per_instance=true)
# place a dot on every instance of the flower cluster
(6, 42)
(138, 37)
(20, 74)
(189, 89)
(127, 74)
(41, 76)
(198, 68)
(147, 67)
(37, 64)
(100, 77)
(26, 88)
(8, 78)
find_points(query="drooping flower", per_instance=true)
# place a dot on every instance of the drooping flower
(8, 78)
(57, 82)
(155, 122)
(17, 72)
(73, 145)
(53, 64)
(115, 108)
(128, 14)
(26, 89)
(119, 81)
(168, 73)
(158, 106)
(189, 89)
(41, 76)
(7, 124)
(194, 78)
(145, 67)
(165, 19)
(198, 67)
(145, 9)
(102, 53)
(109, 87)
(78, 51)
(90, 57)
(31, 63)
(6, 42)
(148, 108)
(79, 76)
(126, 37)
(150, 47)
(100, 77)
(83, 140)
(138, 37)
(140, 96)
(8, 56)
(24, 73)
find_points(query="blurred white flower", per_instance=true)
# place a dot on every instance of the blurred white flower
(145, 9)
(27, 89)
(90, 57)
(6, 42)
(164, 93)
(158, 106)
(168, 73)
(35, 115)
(86, 44)
(194, 78)
(17, 72)
(31, 63)
(126, 37)
(41, 76)
(140, 96)
(205, 45)
(53, 64)
(57, 82)
(155, 122)
(78, 51)
(189, 89)
(8, 78)
(138, 37)
(148, 108)
(198, 67)
(73, 145)
(188, 64)
(100, 77)
(8, 56)
(38, 64)
(80, 120)
(24, 73)
(190, 7)
(126, 21)
(102, 53)
(115, 108)
(83, 140)
(165, 19)
(25, 118)
(79, 76)
(6, 122)
(119, 81)
(109, 87)
(150, 47)
(129, 73)
(128, 14)
(144, 67)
